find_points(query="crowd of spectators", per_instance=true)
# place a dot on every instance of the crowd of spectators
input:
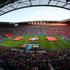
(11, 59)
(35, 29)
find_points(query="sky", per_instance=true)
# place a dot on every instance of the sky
(36, 14)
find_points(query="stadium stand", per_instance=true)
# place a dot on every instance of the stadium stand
(36, 29)
(21, 60)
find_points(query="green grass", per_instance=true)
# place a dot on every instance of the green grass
(43, 42)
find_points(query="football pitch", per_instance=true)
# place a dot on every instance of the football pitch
(42, 40)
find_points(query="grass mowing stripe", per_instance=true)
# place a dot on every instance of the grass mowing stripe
(61, 44)
(5, 45)
(65, 43)
(58, 44)
(43, 43)
(53, 46)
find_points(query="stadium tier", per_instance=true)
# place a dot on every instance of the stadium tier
(35, 46)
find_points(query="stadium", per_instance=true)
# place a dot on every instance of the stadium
(34, 44)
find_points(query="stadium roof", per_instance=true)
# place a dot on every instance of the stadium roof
(10, 5)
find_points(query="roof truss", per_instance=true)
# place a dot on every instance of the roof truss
(10, 5)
